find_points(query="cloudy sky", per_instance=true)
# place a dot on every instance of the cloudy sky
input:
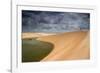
(46, 21)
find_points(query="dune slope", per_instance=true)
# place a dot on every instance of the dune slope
(68, 46)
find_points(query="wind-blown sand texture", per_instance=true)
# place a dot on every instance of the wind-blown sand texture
(67, 46)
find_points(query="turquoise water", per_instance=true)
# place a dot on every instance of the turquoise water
(34, 50)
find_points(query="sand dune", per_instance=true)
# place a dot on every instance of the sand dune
(68, 46)
(32, 35)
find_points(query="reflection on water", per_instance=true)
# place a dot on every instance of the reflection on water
(34, 50)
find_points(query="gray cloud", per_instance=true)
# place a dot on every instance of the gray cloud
(44, 21)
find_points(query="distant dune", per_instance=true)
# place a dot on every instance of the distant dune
(67, 46)
(32, 35)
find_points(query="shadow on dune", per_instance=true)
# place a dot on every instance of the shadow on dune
(34, 50)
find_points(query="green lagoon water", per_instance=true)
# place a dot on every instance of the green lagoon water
(34, 50)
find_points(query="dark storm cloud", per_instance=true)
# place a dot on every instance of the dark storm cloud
(46, 21)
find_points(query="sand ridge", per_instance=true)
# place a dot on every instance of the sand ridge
(71, 45)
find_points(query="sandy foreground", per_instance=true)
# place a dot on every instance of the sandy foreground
(67, 46)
